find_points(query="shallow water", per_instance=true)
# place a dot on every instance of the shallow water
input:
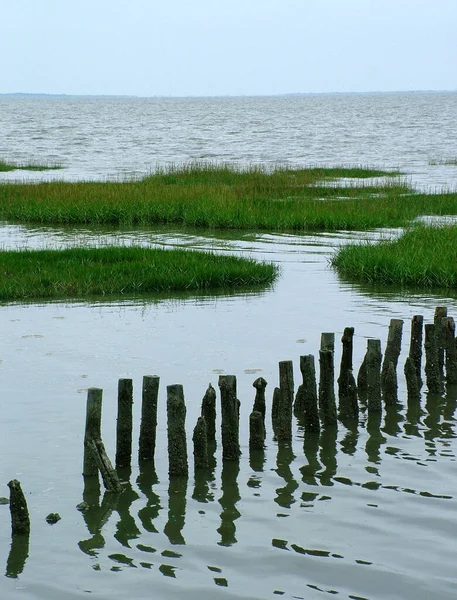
(366, 512)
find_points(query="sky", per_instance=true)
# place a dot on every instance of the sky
(226, 47)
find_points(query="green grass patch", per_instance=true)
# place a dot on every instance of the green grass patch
(5, 166)
(423, 256)
(218, 196)
(443, 162)
(82, 272)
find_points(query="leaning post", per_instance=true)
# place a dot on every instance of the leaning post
(93, 429)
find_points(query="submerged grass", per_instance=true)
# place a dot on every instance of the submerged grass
(221, 196)
(424, 256)
(82, 272)
(5, 166)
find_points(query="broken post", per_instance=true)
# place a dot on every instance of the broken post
(93, 429)
(124, 423)
(208, 411)
(451, 352)
(392, 352)
(20, 520)
(229, 418)
(374, 358)
(310, 407)
(256, 431)
(275, 410)
(148, 426)
(347, 341)
(328, 341)
(286, 400)
(176, 424)
(200, 440)
(439, 321)
(259, 402)
(109, 476)
(415, 346)
(432, 370)
(327, 404)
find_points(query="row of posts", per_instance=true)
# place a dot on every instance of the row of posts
(314, 403)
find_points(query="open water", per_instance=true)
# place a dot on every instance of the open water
(368, 511)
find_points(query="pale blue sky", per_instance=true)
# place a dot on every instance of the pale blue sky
(219, 47)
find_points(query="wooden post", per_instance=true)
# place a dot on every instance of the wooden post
(148, 427)
(20, 520)
(310, 408)
(124, 423)
(286, 400)
(259, 402)
(412, 382)
(256, 431)
(374, 358)
(229, 418)
(208, 411)
(393, 349)
(328, 341)
(93, 429)
(362, 384)
(176, 422)
(110, 479)
(390, 386)
(348, 407)
(347, 341)
(432, 370)
(327, 404)
(275, 410)
(439, 321)
(451, 352)
(200, 440)
(415, 346)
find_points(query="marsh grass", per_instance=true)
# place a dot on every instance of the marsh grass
(82, 272)
(423, 256)
(443, 162)
(220, 196)
(6, 166)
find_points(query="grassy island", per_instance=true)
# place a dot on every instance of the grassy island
(422, 256)
(82, 272)
(217, 196)
(6, 166)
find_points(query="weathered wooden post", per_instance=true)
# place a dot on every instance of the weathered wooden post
(286, 400)
(310, 406)
(440, 323)
(148, 426)
(20, 520)
(415, 346)
(176, 423)
(208, 411)
(347, 341)
(93, 429)
(392, 352)
(328, 341)
(275, 410)
(259, 402)
(348, 407)
(124, 423)
(390, 386)
(451, 352)
(374, 358)
(327, 404)
(256, 431)
(432, 370)
(362, 384)
(200, 440)
(229, 418)
(412, 382)
(110, 478)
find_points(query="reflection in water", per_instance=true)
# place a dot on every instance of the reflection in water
(19, 553)
(311, 449)
(146, 479)
(204, 478)
(432, 419)
(376, 439)
(177, 490)
(392, 420)
(284, 458)
(328, 454)
(126, 527)
(228, 500)
(348, 444)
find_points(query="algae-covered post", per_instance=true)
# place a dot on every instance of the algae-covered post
(200, 440)
(208, 411)
(110, 478)
(259, 402)
(328, 341)
(310, 408)
(124, 423)
(275, 410)
(392, 352)
(327, 404)
(256, 431)
(176, 422)
(374, 358)
(286, 400)
(439, 320)
(229, 418)
(451, 352)
(412, 382)
(93, 429)
(20, 520)
(347, 341)
(148, 426)
(432, 369)
(362, 384)
(390, 386)
(415, 345)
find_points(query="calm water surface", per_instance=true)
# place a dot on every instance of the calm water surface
(364, 512)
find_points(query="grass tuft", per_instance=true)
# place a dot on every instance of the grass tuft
(6, 166)
(423, 256)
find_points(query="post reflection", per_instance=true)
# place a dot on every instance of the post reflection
(284, 458)
(146, 479)
(228, 500)
(204, 478)
(311, 450)
(177, 490)
(17, 556)
(375, 439)
(327, 454)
